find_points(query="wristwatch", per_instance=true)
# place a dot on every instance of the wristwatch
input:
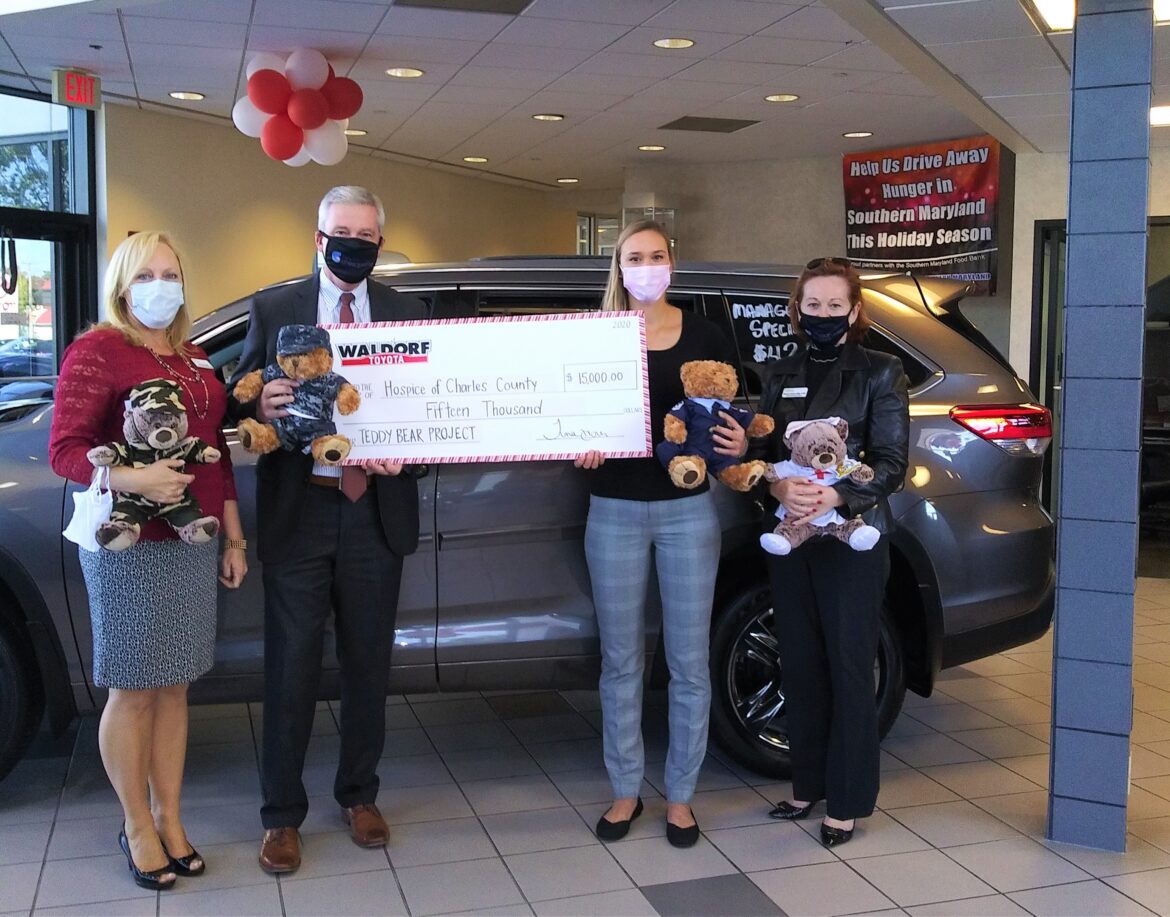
(241, 543)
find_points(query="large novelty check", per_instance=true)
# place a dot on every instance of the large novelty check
(496, 389)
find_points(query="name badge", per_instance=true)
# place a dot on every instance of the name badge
(797, 392)
(202, 364)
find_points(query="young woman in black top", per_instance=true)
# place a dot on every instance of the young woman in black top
(634, 509)
(828, 596)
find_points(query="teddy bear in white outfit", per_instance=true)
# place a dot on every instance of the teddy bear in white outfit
(819, 454)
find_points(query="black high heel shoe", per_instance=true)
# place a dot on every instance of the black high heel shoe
(151, 880)
(185, 866)
(834, 837)
(615, 830)
(789, 812)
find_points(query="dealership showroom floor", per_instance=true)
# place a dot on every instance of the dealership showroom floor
(491, 799)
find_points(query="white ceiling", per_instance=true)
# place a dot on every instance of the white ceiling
(591, 60)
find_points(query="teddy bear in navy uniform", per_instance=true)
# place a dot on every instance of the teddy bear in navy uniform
(303, 353)
(818, 453)
(155, 428)
(688, 452)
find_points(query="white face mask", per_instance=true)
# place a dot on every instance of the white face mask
(155, 303)
(646, 282)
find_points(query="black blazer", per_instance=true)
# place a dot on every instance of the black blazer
(282, 477)
(865, 388)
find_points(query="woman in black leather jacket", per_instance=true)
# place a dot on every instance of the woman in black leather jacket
(827, 595)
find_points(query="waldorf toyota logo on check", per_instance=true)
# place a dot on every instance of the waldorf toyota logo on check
(384, 353)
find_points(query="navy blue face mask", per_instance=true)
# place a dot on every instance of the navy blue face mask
(351, 260)
(824, 331)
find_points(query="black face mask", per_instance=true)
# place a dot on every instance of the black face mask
(823, 332)
(350, 259)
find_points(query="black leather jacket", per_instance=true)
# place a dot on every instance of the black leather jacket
(868, 390)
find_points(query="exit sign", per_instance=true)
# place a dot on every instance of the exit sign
(80, 90)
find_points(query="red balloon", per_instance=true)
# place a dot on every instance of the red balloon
(344, 97)
(331, 74)
(307, 108)
(269, 91)
(280, 138)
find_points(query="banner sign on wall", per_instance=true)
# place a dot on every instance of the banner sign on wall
(929, 209)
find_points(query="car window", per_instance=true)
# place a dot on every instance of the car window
(916, 371)
(542, 302)
(224, 346)
(536, 302)
(762, 332)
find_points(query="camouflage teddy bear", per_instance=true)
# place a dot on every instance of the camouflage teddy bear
(155, 428)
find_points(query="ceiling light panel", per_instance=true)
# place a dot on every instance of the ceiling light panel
(511, 7)
(708, 125)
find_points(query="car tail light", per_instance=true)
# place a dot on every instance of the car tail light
(1021, 429)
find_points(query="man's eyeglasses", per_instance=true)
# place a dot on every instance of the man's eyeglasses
(817, 262)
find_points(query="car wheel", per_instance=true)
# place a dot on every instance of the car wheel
(747, 706)
(21, 703)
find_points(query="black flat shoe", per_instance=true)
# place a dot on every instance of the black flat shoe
(682, 837)
(186, 866)
(833, 837)
(615, 830)
(789, 812)
(151, 880)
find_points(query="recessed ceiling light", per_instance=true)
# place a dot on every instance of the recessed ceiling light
(548, 116)
(354, 132)
(674, 43)
(781, 97)
(405, 73)
(1160, 116)
(651, 148)
(475, 159)
(567, 181)
(186, 95)
(857, 135)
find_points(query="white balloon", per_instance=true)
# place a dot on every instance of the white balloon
(306, 69)
(265, 60)
(248, 119)
(327, 144)
(301, 158)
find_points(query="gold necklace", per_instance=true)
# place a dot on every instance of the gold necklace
(195, 376)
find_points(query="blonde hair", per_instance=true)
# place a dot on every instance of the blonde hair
(616, 298)
(128, 259)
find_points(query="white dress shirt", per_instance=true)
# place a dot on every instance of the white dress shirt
(329, 313)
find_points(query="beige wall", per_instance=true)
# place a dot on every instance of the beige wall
(244, 221)
(779, 212)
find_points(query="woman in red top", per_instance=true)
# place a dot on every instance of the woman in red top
(153, 605)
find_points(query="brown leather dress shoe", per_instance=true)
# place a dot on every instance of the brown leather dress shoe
(280, 851)
(367, 827)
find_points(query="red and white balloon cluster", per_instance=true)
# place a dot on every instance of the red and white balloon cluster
(297, 107)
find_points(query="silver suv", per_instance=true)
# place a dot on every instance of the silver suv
(498, 596)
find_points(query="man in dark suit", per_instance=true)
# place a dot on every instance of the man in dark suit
(329, 538)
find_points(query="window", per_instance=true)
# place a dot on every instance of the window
(46, 207)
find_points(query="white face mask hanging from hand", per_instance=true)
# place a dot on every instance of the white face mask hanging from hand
(91, 508)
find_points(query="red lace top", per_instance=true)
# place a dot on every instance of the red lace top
(98, 371)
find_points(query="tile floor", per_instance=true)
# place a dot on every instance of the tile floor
(491, 798)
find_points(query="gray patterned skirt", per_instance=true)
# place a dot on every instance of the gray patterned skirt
(153, 612)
